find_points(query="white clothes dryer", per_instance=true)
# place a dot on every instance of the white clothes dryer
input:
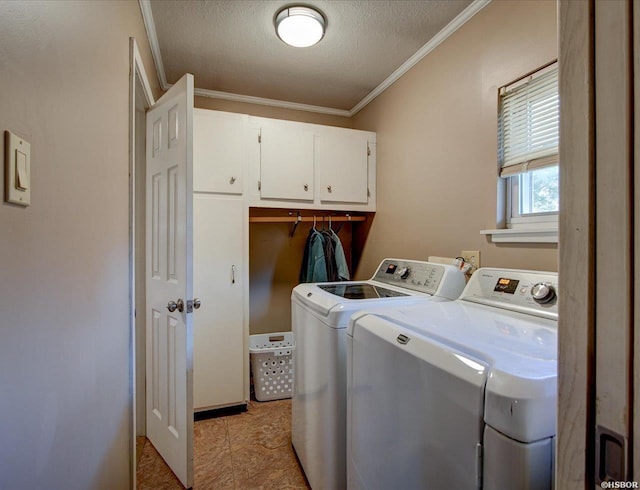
(320, 314)
(459, 394)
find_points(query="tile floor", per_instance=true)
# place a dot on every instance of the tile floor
(250, 450)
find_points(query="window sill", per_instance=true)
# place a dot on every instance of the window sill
(523, 235)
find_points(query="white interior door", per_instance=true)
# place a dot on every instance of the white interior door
(169, 278)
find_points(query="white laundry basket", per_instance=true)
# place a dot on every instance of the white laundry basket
(272, 365)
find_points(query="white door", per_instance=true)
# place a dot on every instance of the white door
(343, 162)
(286, 164)
(169, 280)
(219, 359)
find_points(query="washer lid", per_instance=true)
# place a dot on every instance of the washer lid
(520, 350)
(360, 290)
(334, 302)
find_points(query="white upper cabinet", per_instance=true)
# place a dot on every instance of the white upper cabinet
(218, 152)
(286, 163)
(343, 166)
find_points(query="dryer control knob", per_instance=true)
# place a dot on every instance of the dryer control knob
(404, 272)
(543, 293)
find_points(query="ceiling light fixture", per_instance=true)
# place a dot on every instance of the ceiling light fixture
(299, 26)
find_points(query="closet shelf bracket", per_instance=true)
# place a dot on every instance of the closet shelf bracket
(294, 225)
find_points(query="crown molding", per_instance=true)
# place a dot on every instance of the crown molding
(450, 28)
(150, 26)
(249, 99)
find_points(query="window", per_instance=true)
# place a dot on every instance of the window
(528, 148)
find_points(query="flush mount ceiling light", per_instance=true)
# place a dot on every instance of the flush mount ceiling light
(300, 27)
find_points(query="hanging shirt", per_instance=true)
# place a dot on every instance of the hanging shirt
(314, 268)
(329, 255)
(341, 260)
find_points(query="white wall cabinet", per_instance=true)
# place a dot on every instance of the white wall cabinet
(309, 166)
(286, 163)
(219, 357)
(219, 150)
(343, 165)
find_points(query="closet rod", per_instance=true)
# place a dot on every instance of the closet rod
(306, 219)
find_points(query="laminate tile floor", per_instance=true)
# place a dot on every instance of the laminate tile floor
(249, 450)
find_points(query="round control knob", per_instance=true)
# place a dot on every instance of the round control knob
(543, 293)
(404, 272)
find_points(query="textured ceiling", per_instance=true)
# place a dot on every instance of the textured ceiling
(231, 46)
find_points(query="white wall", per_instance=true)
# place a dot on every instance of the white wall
(65, 406)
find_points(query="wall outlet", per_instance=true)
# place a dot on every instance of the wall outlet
(472, 257)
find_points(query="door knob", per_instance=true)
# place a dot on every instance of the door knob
(196, 303)
(175, 305)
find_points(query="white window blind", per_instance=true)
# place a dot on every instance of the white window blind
(528, 123)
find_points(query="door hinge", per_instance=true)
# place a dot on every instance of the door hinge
(259, 185)
(368, 192)
(368, 151)
(259, 138)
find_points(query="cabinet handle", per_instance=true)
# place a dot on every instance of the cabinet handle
(306, 187)
(233, 274)
(232, 180)
(329, 189)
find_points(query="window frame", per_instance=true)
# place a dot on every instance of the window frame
(516, 226)
(513, 214)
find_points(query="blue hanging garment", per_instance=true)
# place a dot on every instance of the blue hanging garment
(341, 260)
(313, 268)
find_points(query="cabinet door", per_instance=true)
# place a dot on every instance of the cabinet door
(343, 167)
(286, 164)
(218, 333)
(218, 152)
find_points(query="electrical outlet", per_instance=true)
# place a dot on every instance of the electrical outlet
(472, 257)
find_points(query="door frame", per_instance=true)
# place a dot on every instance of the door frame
(137, 78)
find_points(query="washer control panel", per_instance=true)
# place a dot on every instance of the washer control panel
(425, 277)
(530, 292)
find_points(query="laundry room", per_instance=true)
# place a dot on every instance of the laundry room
(240, 260)
(412, 174)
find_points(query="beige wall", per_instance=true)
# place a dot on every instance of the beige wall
(64, 333)
(272, 112)
(436, 135)
(275, 260)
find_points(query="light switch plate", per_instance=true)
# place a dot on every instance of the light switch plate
(17, 169)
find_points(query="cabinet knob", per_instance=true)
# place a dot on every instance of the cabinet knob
(306, 187)
(329, 189)
(232, 180)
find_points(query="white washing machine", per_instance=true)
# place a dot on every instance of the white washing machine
(320, 314)
(459, 394)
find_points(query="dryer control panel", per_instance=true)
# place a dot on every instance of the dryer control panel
(532, 292)
(442, 280)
